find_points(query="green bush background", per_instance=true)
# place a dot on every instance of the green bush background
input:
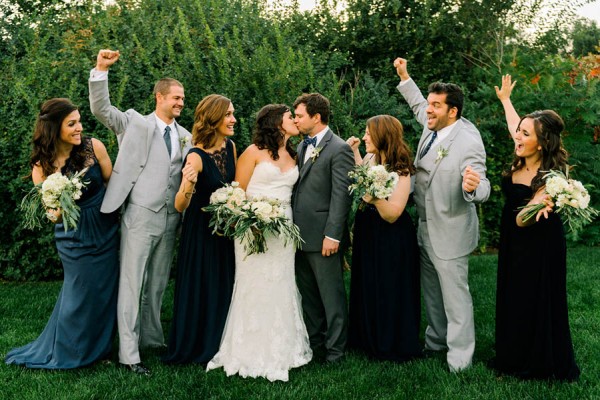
(256, 53)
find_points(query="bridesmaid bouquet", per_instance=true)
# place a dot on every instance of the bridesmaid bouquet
(570, 198)
(57, 193)
(370, 179)
(250, 220)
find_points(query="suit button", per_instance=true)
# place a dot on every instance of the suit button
(142, 166)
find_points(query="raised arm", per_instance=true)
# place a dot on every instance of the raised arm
(410, 91)
(503, 93)
(354, 142)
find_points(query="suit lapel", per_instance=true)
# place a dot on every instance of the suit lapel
(449, 140)
(151, 127)
(322, 144)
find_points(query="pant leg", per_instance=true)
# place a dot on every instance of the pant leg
(329, 277)
(312, 306)
(155, 283)
(435, 333)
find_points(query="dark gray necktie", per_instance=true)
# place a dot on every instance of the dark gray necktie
(426, 148)
(167, 137)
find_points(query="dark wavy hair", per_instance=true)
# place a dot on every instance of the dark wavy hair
(548, 126)
(47, 133)
(267, 132)
(208, 115)
(387, 136)
(453, 92)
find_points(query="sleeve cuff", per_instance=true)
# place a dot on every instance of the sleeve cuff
(98, 75)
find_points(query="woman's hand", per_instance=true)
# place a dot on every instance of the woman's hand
(353, 142)
(54, 215)
(543, 198)
(507, 86)
(367, 198)
(189, 173)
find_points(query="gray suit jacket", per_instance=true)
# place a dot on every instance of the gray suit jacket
(450, 212)
(134, 135)
(321, 201)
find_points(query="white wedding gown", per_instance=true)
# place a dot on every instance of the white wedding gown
(265, 333)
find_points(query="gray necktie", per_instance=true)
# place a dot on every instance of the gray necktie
(167, 137)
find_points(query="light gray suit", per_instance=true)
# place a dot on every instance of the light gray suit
(145, 180)
(321, 203)
(448, 230)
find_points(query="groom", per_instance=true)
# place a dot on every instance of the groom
(450, 180)
(321, 203)
(145, 179)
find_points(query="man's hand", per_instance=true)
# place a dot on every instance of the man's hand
(470, 180)
(400, 65)
(106, 58)
(330, 247)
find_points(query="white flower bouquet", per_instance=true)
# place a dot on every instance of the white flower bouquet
(250, 220)
(56, 195)
(374, 180)
(570, 198)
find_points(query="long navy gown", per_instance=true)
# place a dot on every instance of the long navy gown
(205, 270)
(385, 306)
(81, 328)
(533, 340)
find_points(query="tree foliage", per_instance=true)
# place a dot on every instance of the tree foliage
(256, 53)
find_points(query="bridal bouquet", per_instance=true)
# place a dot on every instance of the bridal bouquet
(249, 220)
(57, 193)
(370, 179)
(570, 198)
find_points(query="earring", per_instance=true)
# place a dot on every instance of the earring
(539, 148)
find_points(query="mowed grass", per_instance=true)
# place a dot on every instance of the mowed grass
(25, 308)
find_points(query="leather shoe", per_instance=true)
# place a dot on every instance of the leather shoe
(138, 368)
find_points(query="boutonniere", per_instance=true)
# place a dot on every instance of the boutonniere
(441, 153)
(315, 153)
(183, 141)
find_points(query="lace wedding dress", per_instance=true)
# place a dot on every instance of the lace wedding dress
(265, 334)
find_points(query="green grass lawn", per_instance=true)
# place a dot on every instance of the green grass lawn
(25, 308)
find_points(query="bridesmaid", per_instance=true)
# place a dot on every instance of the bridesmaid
(206, 262)
(80, 329)
(533, 339)
(385, 308)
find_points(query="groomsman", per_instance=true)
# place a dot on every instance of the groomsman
(145, 179)
(450, 180)
(321, 203)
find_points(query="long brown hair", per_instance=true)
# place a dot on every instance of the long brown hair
(548, 126)
(387, 136)
(208, 115)
(267, 130)
(47, 133)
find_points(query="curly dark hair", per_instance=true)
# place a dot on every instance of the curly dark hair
(47, 133)
(548, 126)
(267, 132)
(387, 136)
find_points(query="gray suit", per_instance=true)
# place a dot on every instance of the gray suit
(145, 180)
(448, 230)
(321, 203)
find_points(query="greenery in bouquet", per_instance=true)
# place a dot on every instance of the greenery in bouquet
(570, 198)
(369, 179)
(235, 216)
(57, 195)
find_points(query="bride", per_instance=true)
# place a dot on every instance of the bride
(265, 334)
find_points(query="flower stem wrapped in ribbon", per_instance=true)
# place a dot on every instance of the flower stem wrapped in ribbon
(57, 194)
(250, 220)
(370, 179)
(570, 198)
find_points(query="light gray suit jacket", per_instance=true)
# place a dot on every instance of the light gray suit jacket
(134, 135)
(321, 201)
(450, 211)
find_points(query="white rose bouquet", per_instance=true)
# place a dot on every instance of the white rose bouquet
(570, 198)
(250, 220)
(56, 195)
(370, 179)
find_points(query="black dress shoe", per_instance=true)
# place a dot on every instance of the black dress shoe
(138, 368)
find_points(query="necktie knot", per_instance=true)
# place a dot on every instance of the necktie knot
(310, 140)
(167, 138)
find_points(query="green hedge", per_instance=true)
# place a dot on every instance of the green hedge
(255, 56)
